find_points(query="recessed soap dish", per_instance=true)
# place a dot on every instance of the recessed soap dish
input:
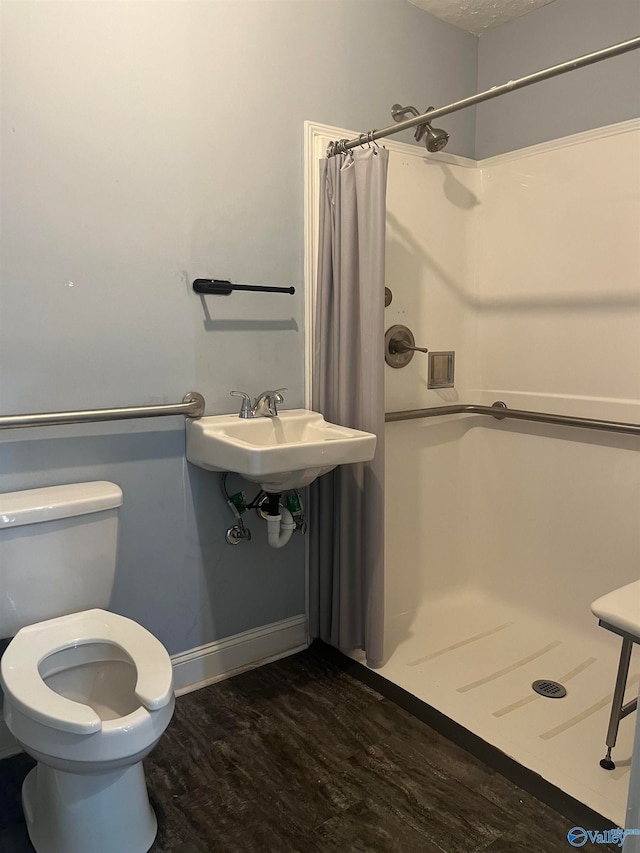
(441, 369)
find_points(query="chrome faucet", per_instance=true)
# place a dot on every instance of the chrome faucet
(264, 406)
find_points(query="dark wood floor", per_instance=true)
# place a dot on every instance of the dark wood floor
(298, 757)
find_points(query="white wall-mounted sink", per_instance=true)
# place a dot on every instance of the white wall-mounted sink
(280, 453)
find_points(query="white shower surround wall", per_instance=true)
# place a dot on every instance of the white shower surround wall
(528, 266)
(536, 286)
(559, 329)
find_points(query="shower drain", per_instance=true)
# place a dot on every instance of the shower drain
(550, 689)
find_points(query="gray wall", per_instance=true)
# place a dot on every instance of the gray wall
(595, 96)
(144, 145)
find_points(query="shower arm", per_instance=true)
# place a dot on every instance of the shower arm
(398, 113)
(494, 92)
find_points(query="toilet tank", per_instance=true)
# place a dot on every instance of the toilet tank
(58, 549)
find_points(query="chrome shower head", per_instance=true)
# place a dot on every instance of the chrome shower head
(436, 138)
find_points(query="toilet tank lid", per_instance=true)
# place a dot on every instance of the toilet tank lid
(34, 505)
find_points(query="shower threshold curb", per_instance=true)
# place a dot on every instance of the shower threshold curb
(528, 780)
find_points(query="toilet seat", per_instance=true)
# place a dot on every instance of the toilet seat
(22, 680)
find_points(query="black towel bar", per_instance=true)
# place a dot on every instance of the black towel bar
(220, 287)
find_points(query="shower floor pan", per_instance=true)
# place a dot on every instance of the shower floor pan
(475, 658)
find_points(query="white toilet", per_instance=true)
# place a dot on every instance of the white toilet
(88, 694)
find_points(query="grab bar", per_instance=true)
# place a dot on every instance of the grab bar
(499, 410)
(192, 406)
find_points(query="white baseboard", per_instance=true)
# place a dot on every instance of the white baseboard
(217, 661)
(223, 658)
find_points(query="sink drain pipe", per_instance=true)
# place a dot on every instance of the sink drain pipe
(280, 523)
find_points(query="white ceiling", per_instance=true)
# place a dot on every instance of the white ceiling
(476, 16)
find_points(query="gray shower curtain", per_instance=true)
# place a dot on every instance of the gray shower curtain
(347, 506)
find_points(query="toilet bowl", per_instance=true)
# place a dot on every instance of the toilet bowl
(88, 695)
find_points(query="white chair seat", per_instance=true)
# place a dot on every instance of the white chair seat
(22, 680)
(620, 608)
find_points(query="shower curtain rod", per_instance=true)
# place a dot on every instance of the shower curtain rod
(494, 92)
